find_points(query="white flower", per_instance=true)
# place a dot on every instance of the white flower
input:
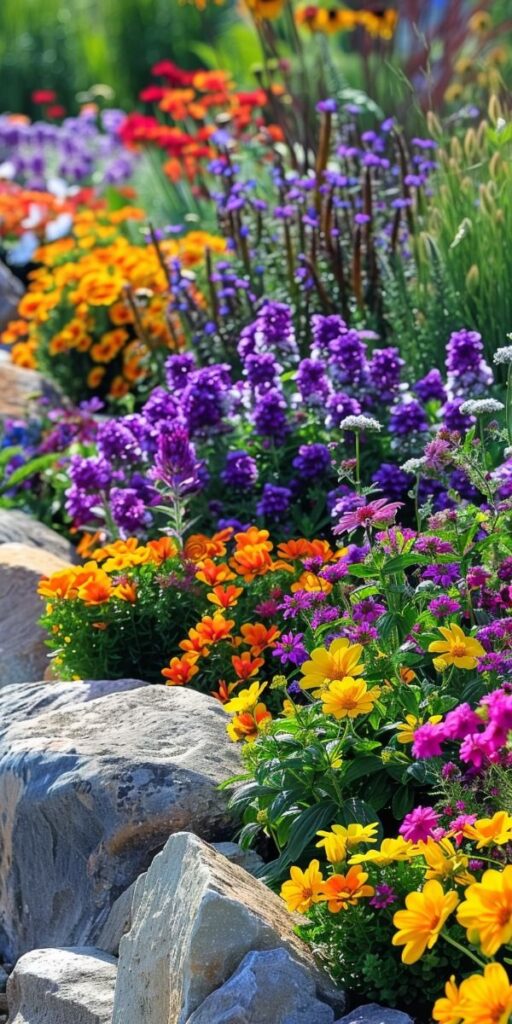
(480, 406)
(413, 465)
(360, 423)
(503, 355)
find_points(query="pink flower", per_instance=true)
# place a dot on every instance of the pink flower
(375, 514)
(427, 741)
(418, 825)
(458, 824)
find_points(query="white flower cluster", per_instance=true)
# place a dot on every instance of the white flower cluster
(480, 406)
(360, 423)
(502, 356)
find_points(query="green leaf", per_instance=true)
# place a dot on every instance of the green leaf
(361, 766)
(402, 801)
(29, 469)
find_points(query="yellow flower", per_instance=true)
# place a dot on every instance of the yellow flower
(265, 9)
(339, 839)
(487, 998)
(447, 1009)
(495, 831)
(419, 926)
(390, 850)
(407, 728)
(341, 659)
(444, 861)
(486, 912)
(304, 888)
(348, 698)
(245, 700)
(480, 22)
(457, 648)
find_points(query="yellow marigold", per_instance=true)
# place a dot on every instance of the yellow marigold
(246, 699)
(486, 998)
(339, 660)
(457, 648)
(303, 888)
(495, 831)
(390, 851)
(348, 698)
(445, 861)
(486, 912)
(447, 1008)
(420, 925)
(339, 839)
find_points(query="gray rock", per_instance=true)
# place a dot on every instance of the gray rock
(17, 527)
(62, 986)
(24, 701)
(194, 917)
(249, 860)
(268, 986)
(372, 1013)
(23, 654)
(89, 794)
(11, 290)
(119, 921)
(3, 979)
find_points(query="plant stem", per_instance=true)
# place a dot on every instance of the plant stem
(462, 949)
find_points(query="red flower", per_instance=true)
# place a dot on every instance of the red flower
(152, 94)
(56, 110)
(175, 75)
(43, 96)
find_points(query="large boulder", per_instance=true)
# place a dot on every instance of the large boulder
(90, 793)
(17, 527)
(372, 1013)
(23, 654)
(62, 986)
(268, 986)
(195, 916)
(23, 701)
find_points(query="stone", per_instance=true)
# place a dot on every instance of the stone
(11, 290)
(3, 979)
(268, 987)
(24, 701)
(18, 386)
(23, 654)
(194, 917)
(119, 921)
(62, 986)
(17, 527)
(88, 796)
(247, 859)
(372, 1013)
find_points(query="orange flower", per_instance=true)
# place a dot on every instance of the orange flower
(119, 387)
(126, 592)
(95, 377)
(310, 582)
(214, 628)
(197, 547)
(253, 536)
(97, 589)
(251, 561)
(293, 549)
(57, 585)
(342, 890)
(247, 725)
(259, 637)
(245, 665)
(211, 574)
(225, 690)
(180, 670)
(225, 597)
(162, 549)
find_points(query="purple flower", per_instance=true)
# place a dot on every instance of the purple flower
(312, 381)
(384, 897)
(290, 649)
(392, 481)
(442, 575)
(240, 470)
(418, 825)
(407, 418)
(274, 502)
(443, 606)
(128, 510)
(313, 460)
(293, 604)
(176, 464)
(431, 387)
(270, 415)
(323, 615)
(385, 368)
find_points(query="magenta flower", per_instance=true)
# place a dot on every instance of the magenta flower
(384, 896)
(375, 514)
(427, 741)
(419, 824)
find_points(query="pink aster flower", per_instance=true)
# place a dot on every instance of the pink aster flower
(419, 824)
(375, 514)
(427, 741)
(458, 824)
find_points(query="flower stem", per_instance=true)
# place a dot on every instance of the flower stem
(462, 949)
